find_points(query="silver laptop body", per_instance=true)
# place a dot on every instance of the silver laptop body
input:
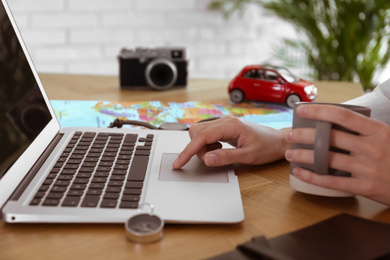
(34, 166)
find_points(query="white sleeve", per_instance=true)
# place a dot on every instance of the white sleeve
(378, 100)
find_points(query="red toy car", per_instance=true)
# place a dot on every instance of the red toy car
(272, 84)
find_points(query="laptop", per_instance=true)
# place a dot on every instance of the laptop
(94, 175)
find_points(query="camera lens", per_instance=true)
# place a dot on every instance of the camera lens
(161, 74)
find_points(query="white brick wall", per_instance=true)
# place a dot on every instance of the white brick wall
(85, 36)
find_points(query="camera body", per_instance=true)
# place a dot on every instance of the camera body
(159, 68)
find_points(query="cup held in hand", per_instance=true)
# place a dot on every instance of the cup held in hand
(321, 149)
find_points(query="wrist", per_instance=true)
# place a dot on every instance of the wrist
(283, 144)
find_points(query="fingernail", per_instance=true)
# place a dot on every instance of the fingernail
(301, 110)
(288, 154)
(296, 172)
(175, 164)
(210, 159)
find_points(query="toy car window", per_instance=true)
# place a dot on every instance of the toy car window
(253, 74)
(270, 75)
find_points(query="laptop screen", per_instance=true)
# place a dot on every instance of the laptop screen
(23, 111)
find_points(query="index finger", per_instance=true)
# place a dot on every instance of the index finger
(338, 115)
(214, 132)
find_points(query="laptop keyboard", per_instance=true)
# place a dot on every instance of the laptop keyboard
(103, 170)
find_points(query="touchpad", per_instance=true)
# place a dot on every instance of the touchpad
(194, 171)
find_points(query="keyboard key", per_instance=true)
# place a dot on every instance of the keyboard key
(68, 172)
(81, 181)
(94, 192)
(71, 201)
(89, 134)
(77, 156)
(111, 150)
(74, 161)
(40, 194)
(134, 184)
(51, 176)
(133, 198)
(115, 183)
(142, 152)
(54, 195)
(51, 202)
(60, 189)
(71, 166)
(126, 149)
(44, 188)
(79, 152)
(128, 205)
(102, 174)
(121, 167)
(108, 203)
(82, 147)
(107, 159)
(138, 168)
(132, 191)
(97, 185)
(89, 155)
(35, 202)
(89, 164)
(65, 177)
(113, 189)
(75, 193)
(111, 196)
(55, 170)
(105, 164)
(131, 137)
(87, 169)
(96, 150)
(119, 172)
(84, 175)
(91, 159)
(143, 147)
(99, 179)
(127, 154)
(78, 187)
(117, 178)
(90, 201)
(103, 169)
(62, 183)
(122, 162)
(48, 181)
(109, 154)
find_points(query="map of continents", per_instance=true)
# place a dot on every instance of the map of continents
(102, 113)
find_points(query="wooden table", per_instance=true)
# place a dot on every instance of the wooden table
(271, 206)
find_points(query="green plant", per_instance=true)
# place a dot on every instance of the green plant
(345, 40)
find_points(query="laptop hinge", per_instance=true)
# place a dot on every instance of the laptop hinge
(35, 168)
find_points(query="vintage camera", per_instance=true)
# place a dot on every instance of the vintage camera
(159, 68)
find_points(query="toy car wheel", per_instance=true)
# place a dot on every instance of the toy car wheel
(292, 99)
(237, 96)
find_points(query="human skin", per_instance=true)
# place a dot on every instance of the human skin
(254, 144)
(368, 161)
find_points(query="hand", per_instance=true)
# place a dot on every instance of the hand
(255, 144)
(368, 162)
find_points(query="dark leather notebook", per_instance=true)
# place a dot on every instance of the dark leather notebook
(341, 237)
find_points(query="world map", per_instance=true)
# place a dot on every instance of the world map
(96, 113)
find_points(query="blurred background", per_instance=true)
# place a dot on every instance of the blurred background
(85, 36)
